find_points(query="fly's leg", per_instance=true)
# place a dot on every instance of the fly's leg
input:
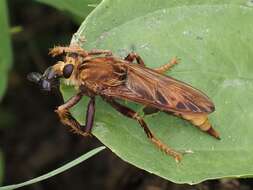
(99, 52)
(134, 56)
(167, 66)
(90, 113)
(66, 117)
(59, 50)
(75, 49)
(68, 120)
(134, 115)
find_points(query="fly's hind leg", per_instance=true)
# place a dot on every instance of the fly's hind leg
(68, 120)
(134, 115)
(164, 68)
(131, 57)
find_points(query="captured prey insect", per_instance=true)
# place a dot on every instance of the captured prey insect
(99, 73)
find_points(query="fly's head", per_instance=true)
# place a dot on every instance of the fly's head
(66, 69)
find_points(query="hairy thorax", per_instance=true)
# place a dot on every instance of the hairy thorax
(97, 74)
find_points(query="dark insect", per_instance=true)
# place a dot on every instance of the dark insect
(98, 72)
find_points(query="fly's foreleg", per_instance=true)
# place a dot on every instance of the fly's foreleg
(168, 66)
(134, 56)
(59, 50)
(68, 120)
(134, 115)
(66, 117)
(99, 52)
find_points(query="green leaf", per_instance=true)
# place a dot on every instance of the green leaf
(80, 8)
(56, 171)
(1, 166)
(5, 47)
(214, 41)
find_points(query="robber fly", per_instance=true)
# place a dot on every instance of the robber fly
(99, 73)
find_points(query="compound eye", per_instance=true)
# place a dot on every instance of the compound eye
(67, 70)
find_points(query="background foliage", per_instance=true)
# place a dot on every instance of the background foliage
(5, 63)
(5, 47)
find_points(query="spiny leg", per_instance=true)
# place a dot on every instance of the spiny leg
(134, 115)
(99, 52)
(59, 50)
(68, 120)
(162, 69)
(134, 56)
(66, 117)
